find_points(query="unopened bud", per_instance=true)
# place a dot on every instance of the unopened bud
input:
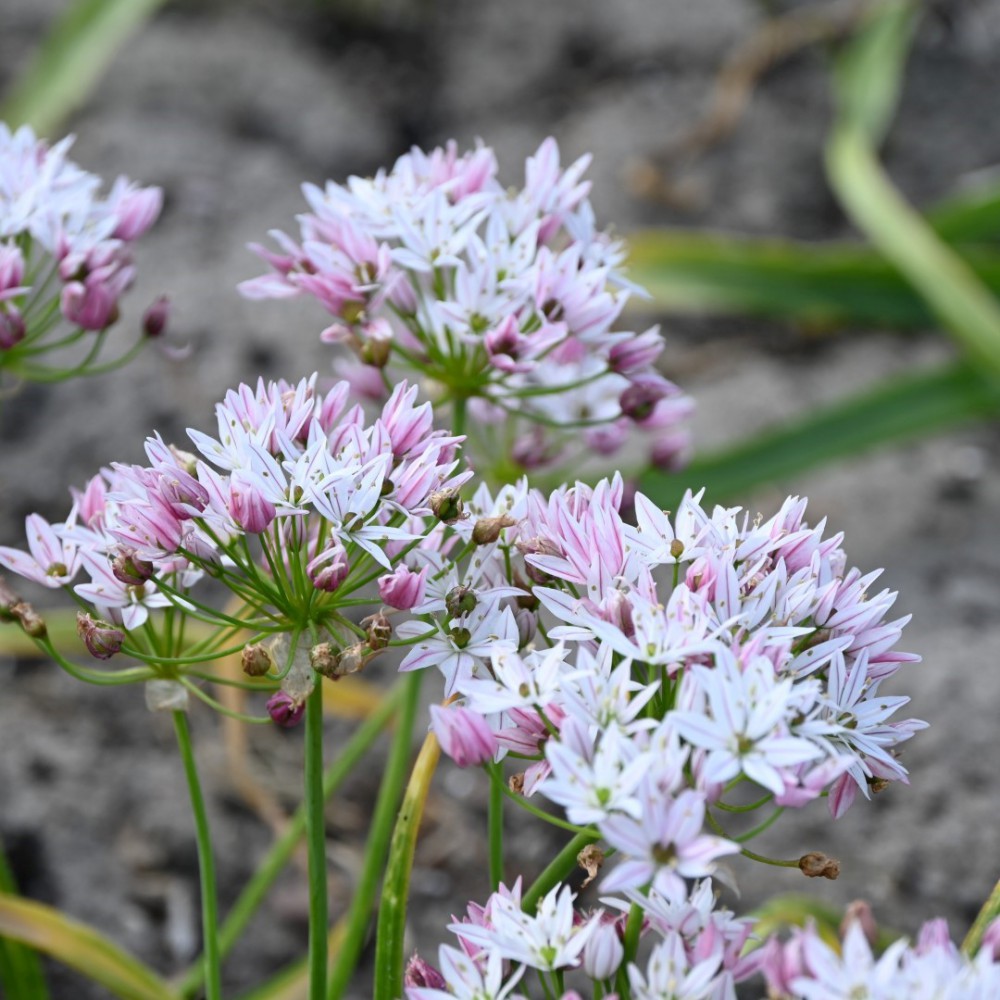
(860, 912)
(487, 529)
(101, 638)
(12, 329)
(419, 973)
(325, 660)
(129, 569)
(284, 710)
(31, 621)
(460, 601)
(815, 864)
(379, 630)
(446, 505)
(154, 320)
(257, 660)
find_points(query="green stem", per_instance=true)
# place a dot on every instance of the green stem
(458, 415)
(989, 912)
(633, 930)
(558, 869)
(495, 825)
(206, 864)
(359, 915)
(316, 842)
(277, 857)
(396, 887)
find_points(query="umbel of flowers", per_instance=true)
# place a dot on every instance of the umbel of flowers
(65, 255)
(502, 300)
(291, 507)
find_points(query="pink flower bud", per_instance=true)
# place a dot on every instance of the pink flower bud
(250, 509)
(129, 569)
(330, 568)
(284, 710)
(638, 401)
(137, 210)
(154, 320)
(463, 734)
(12, 329)
(101, 639)
(402, 588)
(420, 973)
(11, 268)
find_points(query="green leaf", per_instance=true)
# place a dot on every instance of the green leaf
(868, 77)
(80, 947)
(20, 970)
(795, 910)
(71, 60)
(832, 285)
(968, 215)
(907, 407)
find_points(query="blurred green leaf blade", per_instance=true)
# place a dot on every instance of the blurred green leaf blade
(902, 408)
(71, 60)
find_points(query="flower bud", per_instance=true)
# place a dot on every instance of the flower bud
(402, 588)
(527, 626)
(860, 912)
(257, 660)
(639, 400)
(101, 638)
(446, 505)
(420, 973)
(460, 601)
(330, 568)
(815, 864)
(325, 660)
(464, 735)
(129, 569)
(250, 509)
(154, 320)
(379, 630)
(12, 328)
(487, 529)
(604, 952)
(284, 710)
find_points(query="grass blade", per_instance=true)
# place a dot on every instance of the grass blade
(902, 408)
(80, 947)
(20, 970)
(71, 60)
(870, 70)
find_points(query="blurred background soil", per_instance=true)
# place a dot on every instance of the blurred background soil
(229, 106)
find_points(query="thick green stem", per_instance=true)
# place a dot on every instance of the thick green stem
(986, 916)
(558, 869)
(316, 842)
(253, 893)
(206, 863)
(359, 915)
(396, 887)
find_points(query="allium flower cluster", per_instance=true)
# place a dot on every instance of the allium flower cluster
(691, 655)
(58, 232)
(695, 953)
(506, 298)
(295, 504)
(807, 967)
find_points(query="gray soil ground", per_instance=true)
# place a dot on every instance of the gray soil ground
(230, 106)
